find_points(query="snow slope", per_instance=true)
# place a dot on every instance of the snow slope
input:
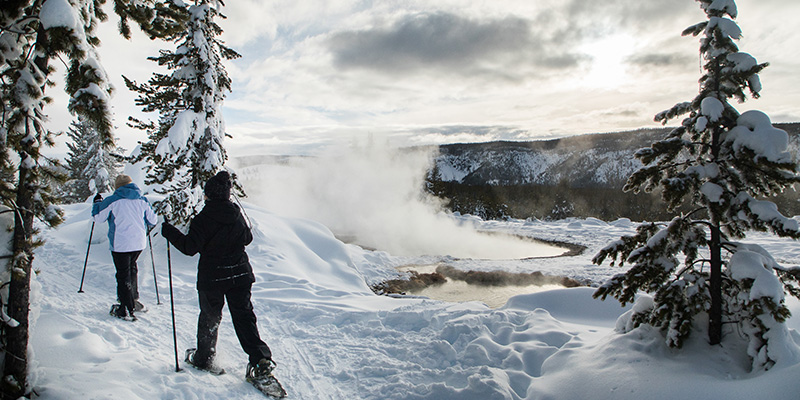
(334, 339)
(593, 160)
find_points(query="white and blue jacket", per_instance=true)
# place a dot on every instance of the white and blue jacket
(128, 214)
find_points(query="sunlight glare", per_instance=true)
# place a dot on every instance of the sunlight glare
(608, 68)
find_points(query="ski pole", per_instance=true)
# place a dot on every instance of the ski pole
(86, 261)
(172, 306)
(153, 261)
(241, 207)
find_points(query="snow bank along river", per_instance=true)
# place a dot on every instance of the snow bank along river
(458, 290)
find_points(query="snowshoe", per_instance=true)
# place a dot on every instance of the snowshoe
(138, 306)
(117, 310)
(211, 368)
(260, 376)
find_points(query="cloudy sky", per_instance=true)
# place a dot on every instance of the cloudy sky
(408, 72)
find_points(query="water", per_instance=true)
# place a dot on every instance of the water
(459, 291)
(496, 246)
(467, 244)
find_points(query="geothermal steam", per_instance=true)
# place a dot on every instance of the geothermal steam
(374, 196)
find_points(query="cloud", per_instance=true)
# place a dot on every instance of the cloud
(628, 14)
(449, 43)
(465, 134)
(317, 73)
(421, 72)
(248, 21)
(660, 60)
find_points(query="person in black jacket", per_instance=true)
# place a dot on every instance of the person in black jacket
(219, 233)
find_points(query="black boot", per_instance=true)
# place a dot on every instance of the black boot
(117, 310)
(207, 366)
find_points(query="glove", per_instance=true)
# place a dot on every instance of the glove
(165, 228)
(98, 198)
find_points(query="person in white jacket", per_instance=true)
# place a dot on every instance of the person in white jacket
(129, 217)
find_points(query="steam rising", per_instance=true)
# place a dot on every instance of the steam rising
(374, 196)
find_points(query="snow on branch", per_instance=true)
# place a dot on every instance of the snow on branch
(724, 6)
(726, 27)
(755, 132)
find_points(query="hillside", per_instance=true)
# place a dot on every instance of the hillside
(579, 176)
(586, 160)
(591, 160)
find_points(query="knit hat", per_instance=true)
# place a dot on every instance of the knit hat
(121, 181)
(219, 186)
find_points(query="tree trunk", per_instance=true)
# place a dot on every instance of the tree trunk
(715, 314)
(16, 360)
(715, 246)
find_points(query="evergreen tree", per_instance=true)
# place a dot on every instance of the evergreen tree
(32, 33)
(92, 169)
(23, 77)
(184, 147)
(158, 19)
(724, 164)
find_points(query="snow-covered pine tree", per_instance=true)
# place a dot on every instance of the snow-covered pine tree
(87, 83)
(725, 165)
(76, 189)
(158, 19)
(23, 77)
(92, 169)
(32, 33)
(184, 148)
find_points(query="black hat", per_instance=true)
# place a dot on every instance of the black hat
(219, 186)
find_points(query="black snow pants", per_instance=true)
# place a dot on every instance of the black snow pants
(244, 323)
(127, 278)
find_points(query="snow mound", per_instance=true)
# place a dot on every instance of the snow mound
(333, 339)
(561, 305)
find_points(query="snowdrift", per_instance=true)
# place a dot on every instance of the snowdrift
(334, 339)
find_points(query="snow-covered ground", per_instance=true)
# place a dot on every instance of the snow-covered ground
(334, 339)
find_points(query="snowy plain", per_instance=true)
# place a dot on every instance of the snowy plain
(332, 338)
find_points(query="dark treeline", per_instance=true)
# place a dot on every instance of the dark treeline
(562, 201)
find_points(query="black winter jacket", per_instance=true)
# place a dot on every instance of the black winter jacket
(219, 233)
